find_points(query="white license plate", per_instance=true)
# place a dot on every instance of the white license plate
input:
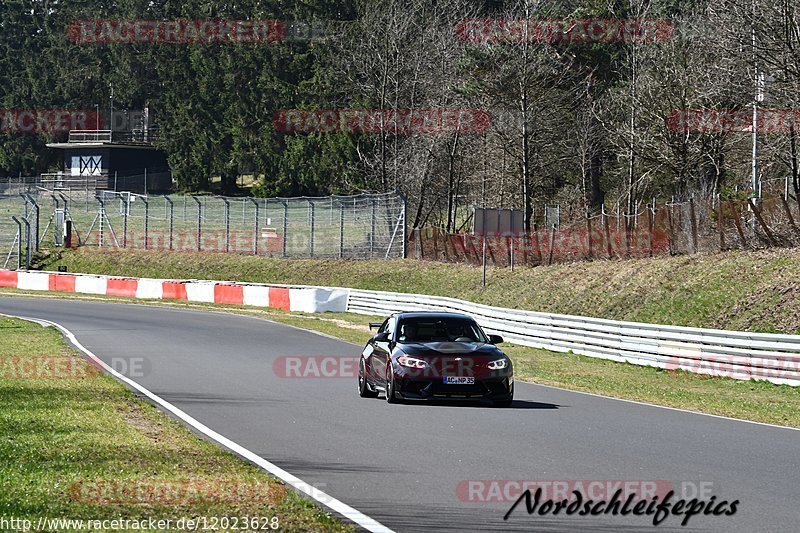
(455, 380)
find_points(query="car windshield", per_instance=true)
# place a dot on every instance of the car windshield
(439, 329)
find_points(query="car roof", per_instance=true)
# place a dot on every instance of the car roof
(430, 314)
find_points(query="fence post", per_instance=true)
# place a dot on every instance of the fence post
(589, 233)
(311, 229)
(285, 224)
(255, 225)
(757, 214)
(651, 222)
(171, 219)
(552, 245)
(27, 243)
(341, 231)
(372, 230)
(693, 222)
(405, 225)
(19, 241)
(36, 220)
(101, 216)
(227, 224)
(146, 220)
(125, 210)
(721, 223)
(788, 212)
(199, 223)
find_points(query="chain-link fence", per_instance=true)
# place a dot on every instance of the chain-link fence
(370, 226)
(675, 228)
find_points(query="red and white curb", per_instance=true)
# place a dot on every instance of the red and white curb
(288, 298)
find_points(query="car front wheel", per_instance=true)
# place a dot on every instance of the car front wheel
(391, 396)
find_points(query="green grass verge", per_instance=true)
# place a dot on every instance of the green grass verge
(750, 291)
(748, 400)
(66, 443)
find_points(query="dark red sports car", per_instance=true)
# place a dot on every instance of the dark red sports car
(435, 356)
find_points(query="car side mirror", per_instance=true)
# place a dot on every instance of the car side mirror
(381, 337)
(495, 339)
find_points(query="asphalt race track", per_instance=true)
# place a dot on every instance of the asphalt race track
(402, 464)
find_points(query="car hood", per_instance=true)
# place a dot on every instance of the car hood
(448, 348)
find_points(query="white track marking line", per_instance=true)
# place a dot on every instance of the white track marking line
(354, 515)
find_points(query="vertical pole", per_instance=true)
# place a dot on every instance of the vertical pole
(101, 215)
(513, 241)
(199, 223)
(405, 227)
(256, 220)
(693, 221)
(171, 218)
(227, 224)
(589, 233)
(125, 208)
(341, 231)
(721, 224)
(372, 230)
(27, 243)
(115, 181)
(483, 256)
(146, 221)
(19, 241)
(756, 97)
(311, 229)
(285, 225)
(145, 181)
(786, 189)
(36, 213)
(651, 219)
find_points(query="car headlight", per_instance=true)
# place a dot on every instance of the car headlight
(498, 365)
(411, 362)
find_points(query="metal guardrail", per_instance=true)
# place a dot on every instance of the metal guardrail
(734, 354)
